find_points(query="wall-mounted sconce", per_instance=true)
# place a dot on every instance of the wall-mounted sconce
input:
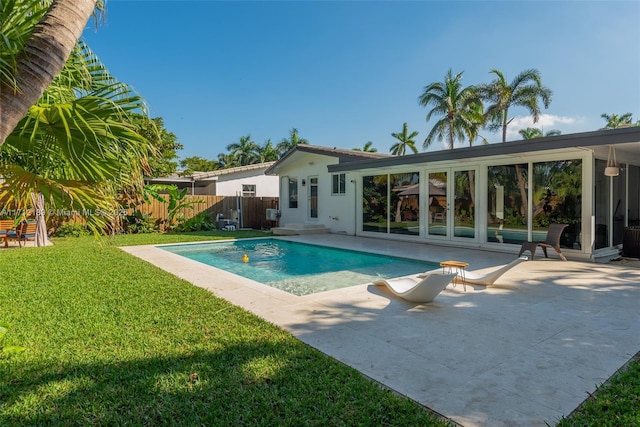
(304, 182)
(612, 163)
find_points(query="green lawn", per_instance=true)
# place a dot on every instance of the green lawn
(112, 340)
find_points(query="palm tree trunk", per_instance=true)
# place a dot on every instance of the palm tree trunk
(524, 207)
(42, 58)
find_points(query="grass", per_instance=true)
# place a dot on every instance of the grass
(112, 340)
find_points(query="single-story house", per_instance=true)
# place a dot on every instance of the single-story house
(495, 196)
(247, 181)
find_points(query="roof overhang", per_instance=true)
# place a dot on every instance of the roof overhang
(626, 141)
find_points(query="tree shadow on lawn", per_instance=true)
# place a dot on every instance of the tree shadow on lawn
(249, 383)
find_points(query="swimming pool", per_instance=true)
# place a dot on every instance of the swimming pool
(299, 268)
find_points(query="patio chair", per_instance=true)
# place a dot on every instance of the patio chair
(552, 241)
(25, 230)
(488, 279)
(6, 225)
(415, 289)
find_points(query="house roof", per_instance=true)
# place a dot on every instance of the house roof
(343, 155)
(626, 141)
(207, 176)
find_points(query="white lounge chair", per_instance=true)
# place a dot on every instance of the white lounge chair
(488, 279)
(416, 289)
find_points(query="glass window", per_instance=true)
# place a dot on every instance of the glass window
(507, 204)
(293, 193)
(405, 203)
(248, 190)
(338, 183)
(375, 203)
(557, 199)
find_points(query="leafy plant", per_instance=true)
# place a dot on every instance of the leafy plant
(72, 229)
(176, 201)
(200, 222)
(9, 349)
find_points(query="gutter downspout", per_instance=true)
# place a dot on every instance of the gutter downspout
(355, 207)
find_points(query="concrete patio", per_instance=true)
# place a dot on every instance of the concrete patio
(525, 351)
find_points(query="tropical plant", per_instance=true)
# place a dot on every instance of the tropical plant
(405, 140)
(287, 144)
(455, 106)
(177, 201)
(245, 151)
(267, 152)
(367, 148)
(226, 161)
(77, 146)
(37, 39)
(532, 133)
(615, 121)
(523, 91)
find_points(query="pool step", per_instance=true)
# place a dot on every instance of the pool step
(295, 229)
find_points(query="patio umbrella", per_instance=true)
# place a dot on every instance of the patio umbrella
(41, 227)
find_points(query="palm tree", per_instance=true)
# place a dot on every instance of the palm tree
(268, 152)
(454, 104)
(28, 67)
(532, 133)
(405, 140)
(78, 145)
(523, 91)
(245, 151)
(614, 121)
(368, 148)
(287, 144)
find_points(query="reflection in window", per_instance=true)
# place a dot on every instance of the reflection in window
(507, 204)
(374, 203)
(405, 203)
(338, 183)
(464, 221)
(557, 198)
(293, 193)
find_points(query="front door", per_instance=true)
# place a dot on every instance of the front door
(451, 194)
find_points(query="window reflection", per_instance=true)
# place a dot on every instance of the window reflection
(391, 203)
(507, 204)
(375, 203)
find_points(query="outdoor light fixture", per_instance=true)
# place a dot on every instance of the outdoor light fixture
(612, 163)
(305, 182)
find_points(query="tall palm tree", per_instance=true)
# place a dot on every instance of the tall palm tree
(268, 152)
(367, 148)
(405, 140)
(524, 91)
(28, 67)
(245, 150)
(287, 144)
(614, 121)
(452, 103)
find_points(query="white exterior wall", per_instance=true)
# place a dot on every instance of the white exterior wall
(336, 212)
(231, 184)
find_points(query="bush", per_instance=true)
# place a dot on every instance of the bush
(200, 222)
(72, 229)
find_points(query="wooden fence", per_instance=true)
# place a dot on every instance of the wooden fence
(253, 210)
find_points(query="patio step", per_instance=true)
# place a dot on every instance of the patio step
(297, 229)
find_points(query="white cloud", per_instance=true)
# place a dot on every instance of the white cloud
(546, 122)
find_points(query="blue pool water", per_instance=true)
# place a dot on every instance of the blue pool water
(299, 268)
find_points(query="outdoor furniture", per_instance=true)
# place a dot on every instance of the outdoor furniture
(489, 278)
(6, 225)
(457, 267)
(415, 289)
(552, 241)
(25, 230)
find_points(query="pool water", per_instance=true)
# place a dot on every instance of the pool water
(299, 268)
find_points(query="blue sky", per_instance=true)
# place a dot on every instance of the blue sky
(344, 73)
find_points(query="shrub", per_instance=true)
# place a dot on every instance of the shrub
(72, 229)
